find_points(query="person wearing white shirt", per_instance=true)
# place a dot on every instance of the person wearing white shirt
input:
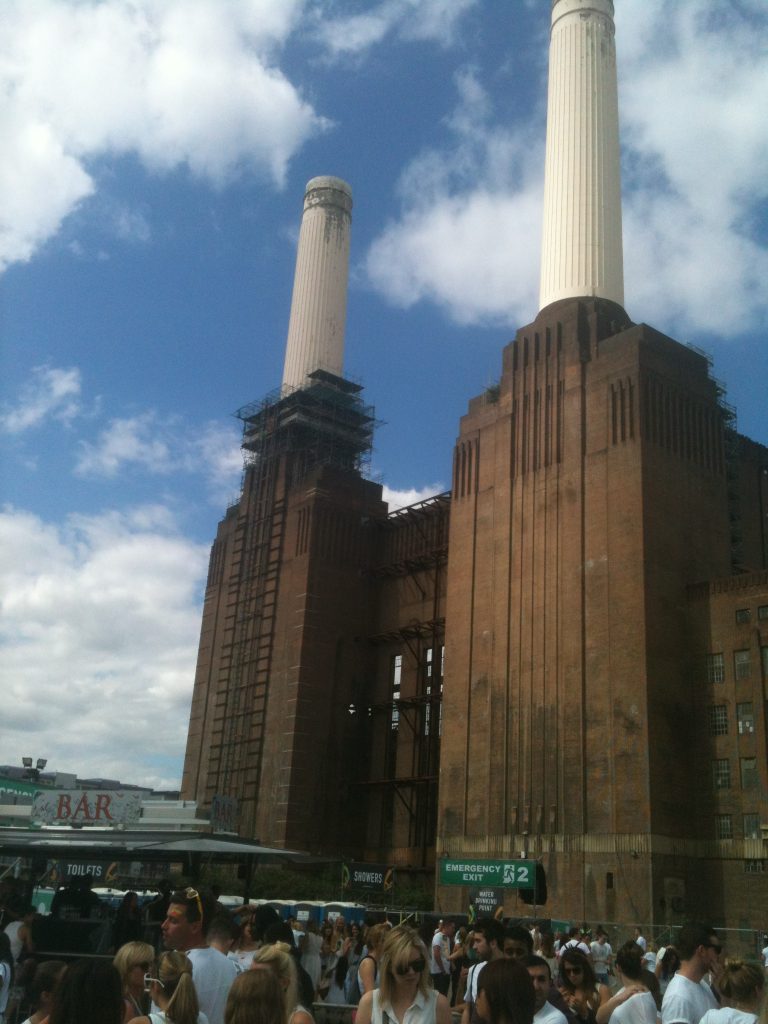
(742, 986)
(545, 1012)
(688, 996)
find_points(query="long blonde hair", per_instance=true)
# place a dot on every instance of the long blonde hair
(130, 955)
(278, 958)
(396, 952)
(175, 973)
(256, 997)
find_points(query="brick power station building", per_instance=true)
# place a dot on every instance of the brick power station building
(568, 653)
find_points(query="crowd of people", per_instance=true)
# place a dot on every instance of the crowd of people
(214, 965)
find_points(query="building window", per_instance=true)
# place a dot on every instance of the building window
(718, 720)
(715, 668)
(742, 615)
(396, 673)
(748, 772)
(724, 826)
(754, 867)
(762, 611)
(751, 826)
(721, 773)
(742, 665)
(745, 718)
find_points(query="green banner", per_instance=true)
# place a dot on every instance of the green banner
(499, 874)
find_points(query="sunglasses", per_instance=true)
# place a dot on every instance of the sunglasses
(148, 979)
(417, 966)
(714, 945)
(193, 894)
(143, 964)
(572, 970)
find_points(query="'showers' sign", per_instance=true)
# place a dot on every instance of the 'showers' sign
(499, 874)
(86, 807)
(380, 877)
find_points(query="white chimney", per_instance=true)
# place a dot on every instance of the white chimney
(581, 246)
(319, 303)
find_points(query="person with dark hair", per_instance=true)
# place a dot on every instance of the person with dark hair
(667, 966)
(173, 992)
(245, 944)
(127, 925)
(541, 977)
(222, 933)
(634, 1003)
(742, 986)
(89, 992)
(405, 991)
(688, 996)
(44, 981)
(575, 941)
(505, 993)
(518, 942)
(602, 956)
(184, 929)
(578, 985)
(488, 942)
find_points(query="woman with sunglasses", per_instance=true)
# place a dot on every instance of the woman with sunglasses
(172, 990)
(132, 961)
(405, 991)
(579, 986)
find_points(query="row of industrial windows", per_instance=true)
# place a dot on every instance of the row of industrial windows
(745, 719)
(428, 666)
(724, 826)
(721, 772)
(742, 665)
(744, 615)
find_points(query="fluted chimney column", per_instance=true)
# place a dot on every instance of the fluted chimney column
(319, 303)
(581, 245)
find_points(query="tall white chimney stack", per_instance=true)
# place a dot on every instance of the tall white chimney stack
(319, 303)
(581, 245)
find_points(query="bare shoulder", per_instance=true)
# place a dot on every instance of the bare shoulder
(442, 1010)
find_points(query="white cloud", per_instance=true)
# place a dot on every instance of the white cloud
(53, 393)
(403, 498)
(164, 446)
(409, 20)
(99, 623)
(185, 83)
(693, 93)
(468, 235)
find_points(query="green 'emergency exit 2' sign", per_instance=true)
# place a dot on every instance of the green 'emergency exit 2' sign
(502, 874)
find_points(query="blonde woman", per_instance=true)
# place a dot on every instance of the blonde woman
(256, 997)
(405, 985)
(172, 990)
(133, 960)
(741, 984)
(278, 959)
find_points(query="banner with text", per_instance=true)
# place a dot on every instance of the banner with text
(380, 877)
(490, 874)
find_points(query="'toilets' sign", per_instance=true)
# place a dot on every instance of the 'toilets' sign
(499, 874)
(86, 807)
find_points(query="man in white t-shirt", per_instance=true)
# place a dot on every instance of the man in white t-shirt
(602, 956)
(184, 928)
(688, 996)
(488, 943)
(440, 964)
(546, 1013)
(575, 941)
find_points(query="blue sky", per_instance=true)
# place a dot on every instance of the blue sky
(151, 181)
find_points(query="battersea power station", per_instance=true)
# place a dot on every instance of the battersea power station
(564, 656)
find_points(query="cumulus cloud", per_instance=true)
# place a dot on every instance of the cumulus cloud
(99, 623)
(52, 393)
(409, 496)
(467, 238)
(409, 20)
(166, 445)
(191, 83)
(693, 92)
